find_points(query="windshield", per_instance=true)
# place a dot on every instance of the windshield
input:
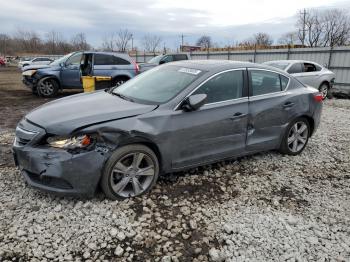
(155, 60)
(61, 59)
(279, 65)
(158, 85)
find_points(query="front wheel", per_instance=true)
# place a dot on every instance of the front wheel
(131, 171)
(296, 137)
(47, 87)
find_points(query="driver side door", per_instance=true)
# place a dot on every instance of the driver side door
(70, 72)
(218, 129)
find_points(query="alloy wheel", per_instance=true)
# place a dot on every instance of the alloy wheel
(46, 88)
(324, 91)
(297, 136)
(132, 174)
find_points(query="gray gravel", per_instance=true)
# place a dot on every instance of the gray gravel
(266, 207)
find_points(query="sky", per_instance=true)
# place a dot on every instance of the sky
(226, 21)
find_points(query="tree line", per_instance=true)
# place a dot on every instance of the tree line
(313, 28)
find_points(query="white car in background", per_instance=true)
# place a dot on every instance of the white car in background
(35, 61)
(309, 73)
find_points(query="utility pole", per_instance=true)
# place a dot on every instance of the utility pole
(303, 13)
(182, 41)
(132, 42)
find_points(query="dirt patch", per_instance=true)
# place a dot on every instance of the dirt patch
(16, 99)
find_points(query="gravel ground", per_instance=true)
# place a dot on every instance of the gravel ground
(266, 207)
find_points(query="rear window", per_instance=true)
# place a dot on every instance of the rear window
(180, 57)
(103, 59)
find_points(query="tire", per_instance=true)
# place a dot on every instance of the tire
(122, 176)
(119, 80)
(294, 141)
(47, 87)
(324, 89)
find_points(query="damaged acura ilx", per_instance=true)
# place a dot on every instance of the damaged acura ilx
(170, 118)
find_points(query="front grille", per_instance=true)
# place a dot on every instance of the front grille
(49, 181)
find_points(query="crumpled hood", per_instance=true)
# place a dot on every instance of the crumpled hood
(63, 116)
(32, 67)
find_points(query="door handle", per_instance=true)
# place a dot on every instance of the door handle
(237, 115)
(288, 105)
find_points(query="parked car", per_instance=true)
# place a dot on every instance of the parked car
(170, 118)
(309, 73)
(35, 61)
(2, 61)
(66, 72)
(162, 59)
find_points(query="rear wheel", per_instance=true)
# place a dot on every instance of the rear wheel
(296, 137)
(324, 90)
(47, 87)
(131, 171)
(119, 81)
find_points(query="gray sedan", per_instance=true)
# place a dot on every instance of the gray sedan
(170, 118)
(309, 73)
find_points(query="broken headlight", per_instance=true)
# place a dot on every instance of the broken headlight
(70, 143)
(29, 72)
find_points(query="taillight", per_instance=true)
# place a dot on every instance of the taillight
(318, 97)
(136, 67)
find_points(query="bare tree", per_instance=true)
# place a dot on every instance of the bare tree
(27, 41)
(122, 40)
(54, 42)
(336, 27)
(204, 41)
(151, 42)
(108, 42)
(79, 42)
(323, 28)
(5, 44)
(289, 38)
(263, 39)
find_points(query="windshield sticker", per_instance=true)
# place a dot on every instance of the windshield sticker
(189, 71)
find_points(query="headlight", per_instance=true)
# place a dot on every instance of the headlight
(29, 72)
(70, 143)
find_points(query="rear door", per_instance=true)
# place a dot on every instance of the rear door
(310, 74)
(218, 129)
(70, 72)
(270, 107)
(110, 65)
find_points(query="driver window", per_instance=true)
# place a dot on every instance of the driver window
(223, 87)
(74, 60)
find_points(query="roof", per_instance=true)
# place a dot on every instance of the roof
(220, 65)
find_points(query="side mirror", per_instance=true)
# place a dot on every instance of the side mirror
(194, 102)
(162, 62)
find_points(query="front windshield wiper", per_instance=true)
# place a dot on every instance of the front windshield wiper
(122, 96)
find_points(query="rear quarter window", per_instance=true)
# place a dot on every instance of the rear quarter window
(103, 59)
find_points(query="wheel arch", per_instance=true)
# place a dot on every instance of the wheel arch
(124, 76)
(325, 82)
(51, 77)
(311, 122)
(150, 144)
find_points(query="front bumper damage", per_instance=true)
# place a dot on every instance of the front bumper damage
(30, 82)
(56, 170)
